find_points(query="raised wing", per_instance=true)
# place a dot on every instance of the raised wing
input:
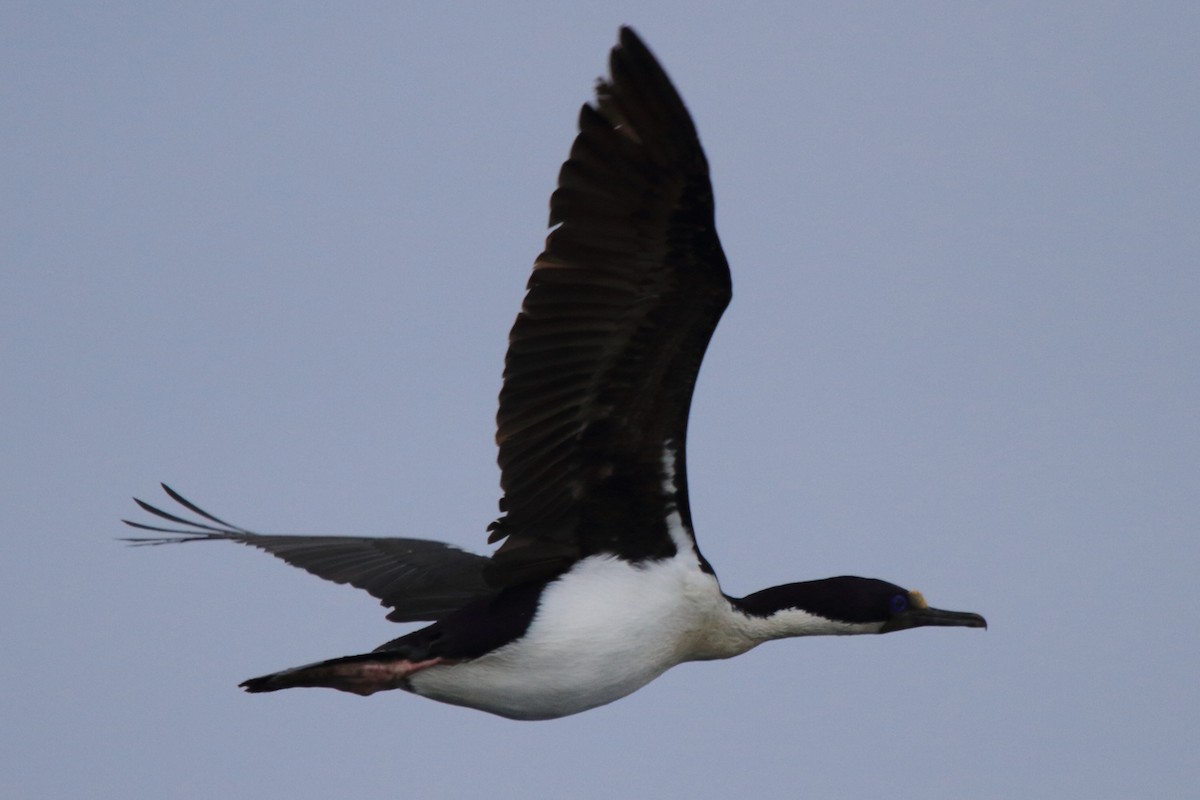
(604, 354)
(418, 579)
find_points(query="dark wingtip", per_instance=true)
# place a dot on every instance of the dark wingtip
(192, 529)
(628, 37)
(190, 506)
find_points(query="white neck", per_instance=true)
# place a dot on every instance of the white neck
(735, 631)
(789, 622)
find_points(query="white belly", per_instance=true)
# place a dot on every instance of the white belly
(604, 630)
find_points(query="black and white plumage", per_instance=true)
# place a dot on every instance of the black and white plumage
(598, 585)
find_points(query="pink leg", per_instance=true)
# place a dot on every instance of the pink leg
(375, 676)
(356, 674)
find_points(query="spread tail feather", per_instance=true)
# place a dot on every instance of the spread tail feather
(361, 674)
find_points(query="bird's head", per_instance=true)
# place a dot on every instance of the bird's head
(908, 609)
(847, 605)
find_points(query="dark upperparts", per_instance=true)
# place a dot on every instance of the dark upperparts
(417, 578)
(603, 356)
(599, 374)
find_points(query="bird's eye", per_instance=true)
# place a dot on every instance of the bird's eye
(898, 603)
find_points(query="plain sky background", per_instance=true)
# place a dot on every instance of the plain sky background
(269, 253)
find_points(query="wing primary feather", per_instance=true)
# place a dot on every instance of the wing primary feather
(418, 579)
(190, 506)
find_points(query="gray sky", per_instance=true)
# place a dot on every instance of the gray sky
(270, 255)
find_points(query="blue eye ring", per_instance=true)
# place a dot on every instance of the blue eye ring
(898, 604)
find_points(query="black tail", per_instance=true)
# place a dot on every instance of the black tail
(361, 674)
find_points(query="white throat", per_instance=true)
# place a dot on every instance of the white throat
(789, 622)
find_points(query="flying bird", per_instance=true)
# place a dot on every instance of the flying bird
(598, 585)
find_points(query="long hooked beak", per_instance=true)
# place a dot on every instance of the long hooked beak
(921, 617)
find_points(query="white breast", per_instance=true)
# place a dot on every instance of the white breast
(603, 630)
